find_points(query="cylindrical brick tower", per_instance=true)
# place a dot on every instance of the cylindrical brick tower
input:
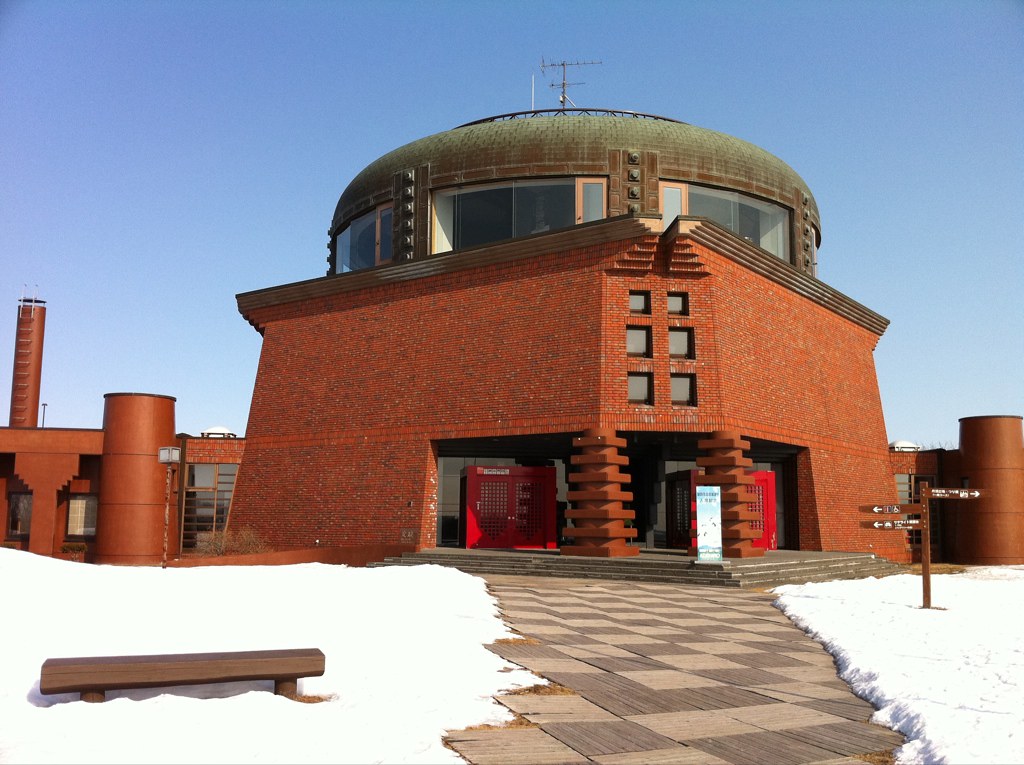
(28, 363)
(133, 483)
(990, 529)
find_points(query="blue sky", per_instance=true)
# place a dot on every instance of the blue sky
(158, 158)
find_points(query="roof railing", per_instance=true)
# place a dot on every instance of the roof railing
(570, 112)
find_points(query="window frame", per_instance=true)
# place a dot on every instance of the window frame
(86, 533)
(443, 200)
(645, 295)
(648, 349)
(690, 353)
(692, 399)
(24, 524)
(648, 377)
(343, 259)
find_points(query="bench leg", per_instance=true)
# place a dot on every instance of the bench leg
(94, 696)
(289, 687)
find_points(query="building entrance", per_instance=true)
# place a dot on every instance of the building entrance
(681, 509)
(507, 507)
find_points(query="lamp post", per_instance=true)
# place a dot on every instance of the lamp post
(169, 456)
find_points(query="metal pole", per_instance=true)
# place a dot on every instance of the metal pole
(167, 514)
(926, 547)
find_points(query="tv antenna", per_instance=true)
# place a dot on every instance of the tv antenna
(562, 98)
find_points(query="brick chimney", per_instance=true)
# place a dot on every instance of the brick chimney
(28, 363)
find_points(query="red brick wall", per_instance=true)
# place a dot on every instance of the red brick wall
(352, 388)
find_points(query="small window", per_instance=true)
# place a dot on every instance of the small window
(680, 342)
(591, 194)
(678, 304)
(638, 341)
(82, 515)
(684, 390)
(640, 388)
(673, 202)
(640, 302)
(19, 514)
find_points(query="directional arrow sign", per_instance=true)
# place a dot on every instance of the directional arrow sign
(896, 523)
(954, 493)
(892, 509)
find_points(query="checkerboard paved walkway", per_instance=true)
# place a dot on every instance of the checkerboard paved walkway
(668, 674)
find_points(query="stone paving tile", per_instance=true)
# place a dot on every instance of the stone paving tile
(745, 676)
(722, 677)
(678, 755)
(789, 716)
(698, 661)
(595, 738)
(542, 708)
(659, 648)
(695, 724)
(670, 678)
(762, 747)
(513, 746)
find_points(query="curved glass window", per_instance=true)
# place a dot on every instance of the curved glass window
(761, 223)
(366, 241)
(472, 216)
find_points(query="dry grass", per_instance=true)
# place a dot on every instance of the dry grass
(309, 699)
(876, 758)
(518, 640)
(938, 568)
(551, 689)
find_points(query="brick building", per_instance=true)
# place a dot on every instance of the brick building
(497, 290)
(545, 329)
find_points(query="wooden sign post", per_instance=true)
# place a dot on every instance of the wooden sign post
(883, 519)
(928, 493)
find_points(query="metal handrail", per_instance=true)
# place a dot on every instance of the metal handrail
(573, 112)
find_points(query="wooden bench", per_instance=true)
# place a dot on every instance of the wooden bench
(93, 676)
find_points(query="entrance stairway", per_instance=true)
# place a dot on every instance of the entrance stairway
(775, 568)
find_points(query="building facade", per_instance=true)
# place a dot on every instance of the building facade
(545, 329)
(496, 290)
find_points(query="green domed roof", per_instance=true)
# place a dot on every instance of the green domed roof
(567, 143)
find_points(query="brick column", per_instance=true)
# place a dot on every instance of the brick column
(726, 466)
(597, 512)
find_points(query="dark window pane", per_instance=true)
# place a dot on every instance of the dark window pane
(364, 242)
(544, 207)
(385, 235)
(482, 217)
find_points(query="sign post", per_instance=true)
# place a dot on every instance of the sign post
(928, 493)
(709, 523)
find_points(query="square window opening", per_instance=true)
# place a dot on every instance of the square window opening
(640, 388)
(684, 390)
(640, 302)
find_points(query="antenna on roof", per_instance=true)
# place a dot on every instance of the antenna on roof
(562, 98)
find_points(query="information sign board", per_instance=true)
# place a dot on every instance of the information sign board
(709, 523)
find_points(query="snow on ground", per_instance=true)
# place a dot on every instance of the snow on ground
(950, 678)
(406, 660)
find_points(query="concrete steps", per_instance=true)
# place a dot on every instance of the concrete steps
(777, 567)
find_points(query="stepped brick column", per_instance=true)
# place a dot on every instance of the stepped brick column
(726, 466)
(597, 513)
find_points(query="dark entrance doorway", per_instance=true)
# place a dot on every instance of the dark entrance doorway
(508, 507)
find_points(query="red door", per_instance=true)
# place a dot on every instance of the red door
(682, 509)
(764, 490)
(509, 507)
